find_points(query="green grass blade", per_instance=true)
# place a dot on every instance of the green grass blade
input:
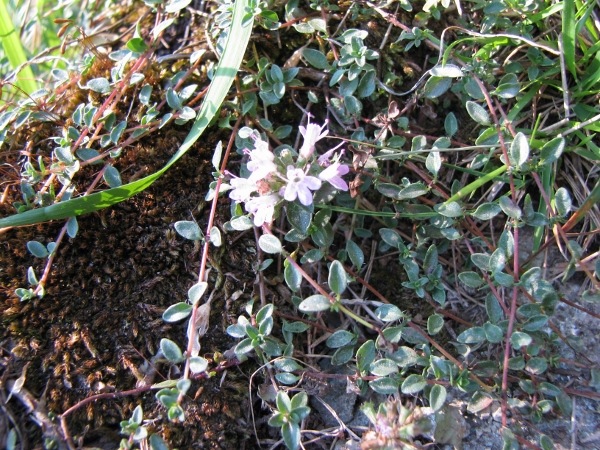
(230, 62)
(14, 51)
(569, 33)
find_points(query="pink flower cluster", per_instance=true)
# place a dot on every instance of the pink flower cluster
(272, 181)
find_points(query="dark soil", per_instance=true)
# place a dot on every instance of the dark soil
(100, 319)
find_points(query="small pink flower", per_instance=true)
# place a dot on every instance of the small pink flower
(312, 133)
(299, 185)
(261, 161)
(333, 175)
(262, 208)
(242, 189)
(325, 159)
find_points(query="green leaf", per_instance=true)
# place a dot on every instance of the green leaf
(270, 244)
(437, 397)
(342, 355)
(198, 364)
(481, 260)
(569, 35)
(536, 365)
(137, 45)
(339, 339)
(244, 346)
(355, 253)
(519, 339)
(413, 191)
(366, 86)
(433, 163)
(436, 86)
(384, 386)
(448, 70)
(389, 313)
(37, 249)
(112, 177)
(509, 208)
(405, 356)
(196, 292)
(449, 209)
(315, 303)
(535, 323)
(388, 189)
(100, 85)
(413, 384)
(189, 230)
(473, 335)
(13, 50)
(176, 312)
(215, 236)
(337, 279)
(264, 313)
(295, 327)
(493, 333)
(283, 402)
(383, 367)
(365, 355)
(471, 279)
(175, 6)
(299, 216)
(171, 350)
(479, 401)
(486, 211)
(312, 256)
(508, 87)
(316, 58)
(552, 150)
(518, 152)
(563, 202)
(435, 322)
(145, 94)
(450, 124)
(478, 113)
(157, 443)
(292, 276)
(290, 432)
(390, 237)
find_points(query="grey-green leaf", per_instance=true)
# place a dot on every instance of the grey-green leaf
(563, 201)
(270, 244)
(437, 86)
(509, 208)
(552, 150)
(100, 85)
(486, 211)
(437, 397)
(413, 384)
(37, 249)
(448, 70)
(171, 350)
(519, 151)
(383, 367)
(478, 113)
(176, 312)
(339, 339)
(316, 58)
(189, 230)
(337, 279)
(112, 176)
(315, 303)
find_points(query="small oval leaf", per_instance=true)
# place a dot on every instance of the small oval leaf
(269, 244)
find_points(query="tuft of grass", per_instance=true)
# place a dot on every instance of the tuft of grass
(15, 52)
(219, 87)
